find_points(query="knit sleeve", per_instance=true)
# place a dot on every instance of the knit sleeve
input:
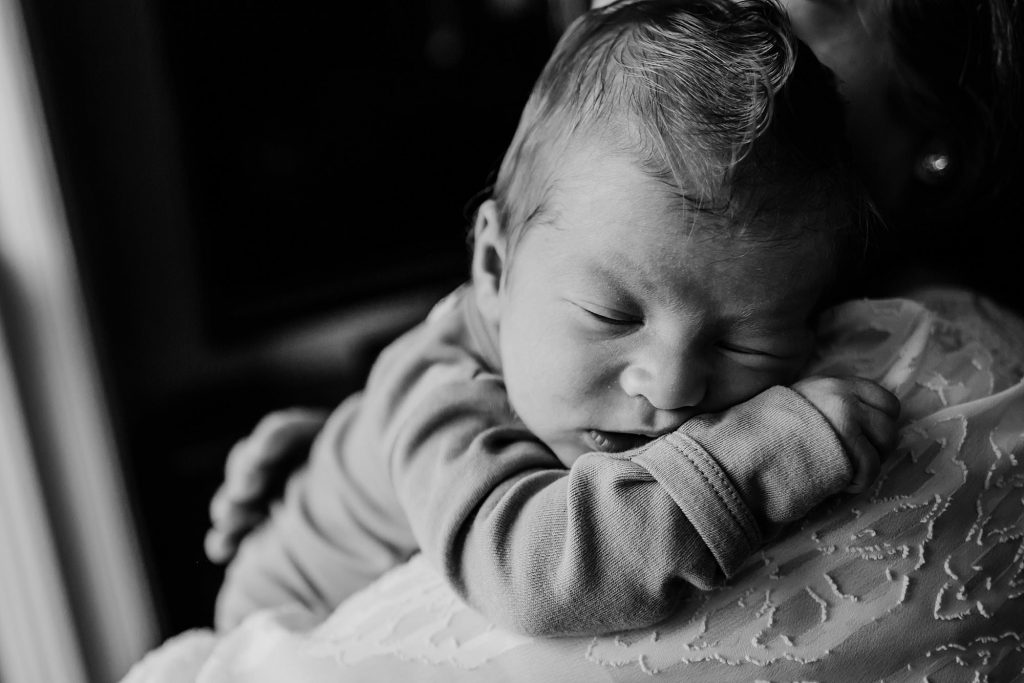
(331, 534)
(749, 470)
(615, 541)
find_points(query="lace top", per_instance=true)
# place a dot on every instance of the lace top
(920, 578)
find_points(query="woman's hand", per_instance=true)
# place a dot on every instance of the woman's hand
(254, 476)
(863, 414)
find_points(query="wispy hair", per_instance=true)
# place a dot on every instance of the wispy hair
(715, 97)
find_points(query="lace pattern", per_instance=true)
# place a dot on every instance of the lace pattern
(921, 578)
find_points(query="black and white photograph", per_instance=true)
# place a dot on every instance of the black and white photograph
(540, 341)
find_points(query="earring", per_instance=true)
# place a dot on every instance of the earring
(933, 166)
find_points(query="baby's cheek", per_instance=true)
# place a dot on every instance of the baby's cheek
(555, 387)
(552, 392)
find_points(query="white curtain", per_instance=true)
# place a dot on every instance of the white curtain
(74, 602)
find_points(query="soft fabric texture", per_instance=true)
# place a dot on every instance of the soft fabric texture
(431, 456)
(921, 578)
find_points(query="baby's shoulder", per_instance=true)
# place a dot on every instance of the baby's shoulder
(442, 350)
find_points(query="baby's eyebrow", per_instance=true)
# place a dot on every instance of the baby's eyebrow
(589, 272)
(759, 318)
(637, 284)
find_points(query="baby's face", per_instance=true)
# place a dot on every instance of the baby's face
(622, 317)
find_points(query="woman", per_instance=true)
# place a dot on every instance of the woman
(922, 577)
(934, 93)
(934, 96)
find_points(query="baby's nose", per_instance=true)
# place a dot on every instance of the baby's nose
(672, 382)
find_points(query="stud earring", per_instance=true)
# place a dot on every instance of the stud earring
(934, 165)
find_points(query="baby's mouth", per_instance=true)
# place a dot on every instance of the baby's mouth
(614, 442)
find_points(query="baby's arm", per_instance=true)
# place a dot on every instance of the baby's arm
(617, 540)
(614, 542)
(863, 414)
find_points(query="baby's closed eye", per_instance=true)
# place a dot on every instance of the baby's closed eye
(767, 354)
(606, 315)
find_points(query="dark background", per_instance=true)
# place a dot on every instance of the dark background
(261, 195)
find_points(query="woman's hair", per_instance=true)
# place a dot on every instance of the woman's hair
(715, 97)
(960, 72)
(960, 69)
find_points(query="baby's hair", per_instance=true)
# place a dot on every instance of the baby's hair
(715, 97)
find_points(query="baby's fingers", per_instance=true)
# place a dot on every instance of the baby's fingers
(879, 427)
(864, 458)
(878, 397)
(868, 447)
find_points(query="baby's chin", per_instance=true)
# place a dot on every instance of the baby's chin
(567, 451)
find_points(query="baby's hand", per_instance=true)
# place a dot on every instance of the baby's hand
(254, 473)
(863, 414)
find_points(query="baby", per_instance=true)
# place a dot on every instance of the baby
(598, 423)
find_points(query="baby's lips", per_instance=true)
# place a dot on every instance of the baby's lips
(615, 442)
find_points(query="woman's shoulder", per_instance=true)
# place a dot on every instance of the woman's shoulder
(981, 320)
(934, 347)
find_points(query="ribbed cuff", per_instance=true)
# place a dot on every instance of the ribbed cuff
(704, 494)
(779, 452)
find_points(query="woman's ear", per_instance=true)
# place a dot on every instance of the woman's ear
(489, 260)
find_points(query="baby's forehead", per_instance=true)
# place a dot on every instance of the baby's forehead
(745, 219)
(754, 201)
(721, 247)
(594, 188)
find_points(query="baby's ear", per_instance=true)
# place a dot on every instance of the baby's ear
(488, 259)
